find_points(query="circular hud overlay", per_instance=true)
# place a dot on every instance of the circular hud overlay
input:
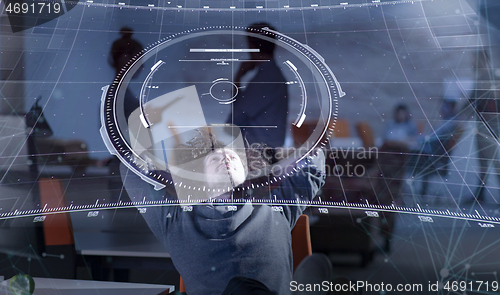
(173, 111)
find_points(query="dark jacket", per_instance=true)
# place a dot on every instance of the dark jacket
(210, 243)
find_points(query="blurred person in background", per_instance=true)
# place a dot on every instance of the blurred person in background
(402, 128)
(263, 100)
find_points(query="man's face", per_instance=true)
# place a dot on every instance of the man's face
(401, 116)
(222, 166)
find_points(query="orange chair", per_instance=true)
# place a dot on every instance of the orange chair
(301, 240)
(365, 132)
(182, 288)
(341, 128)
(56, 227)
(58, 232)
(421, 127)
(301, 244)
(300, 135)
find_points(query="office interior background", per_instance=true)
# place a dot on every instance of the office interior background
(429, 216)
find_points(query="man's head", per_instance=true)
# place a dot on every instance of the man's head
(266, 48)
(222, 165)
(401, 113)
(204, 162)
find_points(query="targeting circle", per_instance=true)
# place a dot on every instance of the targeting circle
(190, 85)
(224, 91)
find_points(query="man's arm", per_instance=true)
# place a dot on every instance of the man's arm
(156, 213)
(301, 186)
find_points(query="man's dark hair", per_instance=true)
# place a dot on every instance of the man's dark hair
(258, 43)
(401, 107)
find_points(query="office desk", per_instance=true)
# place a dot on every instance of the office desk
(119, 244)
(46, 286)
(106, 251)
(120, 232)
(117, 241)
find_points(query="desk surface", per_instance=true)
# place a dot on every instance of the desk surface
(119, 244)
(45, 286)
(121, 232)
